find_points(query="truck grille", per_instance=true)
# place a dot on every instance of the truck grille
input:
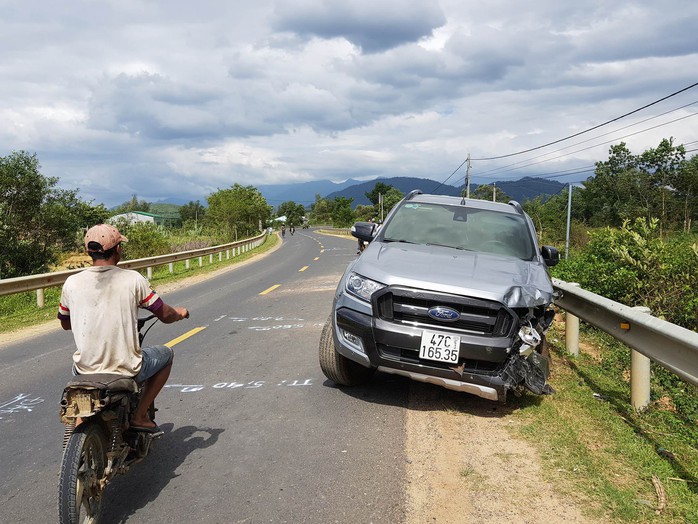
(410, 307)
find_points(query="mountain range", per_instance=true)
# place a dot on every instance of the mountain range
(521, 190)
(305, 192)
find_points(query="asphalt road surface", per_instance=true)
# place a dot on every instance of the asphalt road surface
(254, 432)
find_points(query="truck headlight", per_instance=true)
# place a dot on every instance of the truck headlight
(362, 287)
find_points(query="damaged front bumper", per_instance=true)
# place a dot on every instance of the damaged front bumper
(489, 367)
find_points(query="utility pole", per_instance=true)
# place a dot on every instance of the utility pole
(467, 178)
(569, 219)
(494, 191)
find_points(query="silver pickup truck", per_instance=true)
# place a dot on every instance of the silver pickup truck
(450, 291)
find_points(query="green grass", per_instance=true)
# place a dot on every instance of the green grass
(19, 311)
(598, 448)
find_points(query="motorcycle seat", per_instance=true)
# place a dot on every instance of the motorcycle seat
(104, 381)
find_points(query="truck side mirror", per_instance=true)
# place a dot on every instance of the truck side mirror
(550, 255)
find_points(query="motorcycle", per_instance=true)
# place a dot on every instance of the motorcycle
(101, 445)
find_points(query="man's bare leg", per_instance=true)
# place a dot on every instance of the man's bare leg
(153, 386)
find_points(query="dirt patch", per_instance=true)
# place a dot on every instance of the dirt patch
(465, 466)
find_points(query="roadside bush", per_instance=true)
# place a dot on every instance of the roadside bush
(144, 240)
(635, 266)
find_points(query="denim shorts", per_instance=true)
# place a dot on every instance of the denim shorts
(154, 359)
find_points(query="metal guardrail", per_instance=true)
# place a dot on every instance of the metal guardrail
(39, 282)
(671, 346)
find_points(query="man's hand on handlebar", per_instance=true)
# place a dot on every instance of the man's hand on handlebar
(183, 312)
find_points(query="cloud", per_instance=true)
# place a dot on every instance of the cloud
(174, 99)
(372, 26)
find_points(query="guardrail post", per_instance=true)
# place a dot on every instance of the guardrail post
(40, 299)
(572, 331)
(149, 272)
(171, 267)
(220, 256)
(639, 375)
(210, 258)
(201, 261)
(186, 264)
(227, 254)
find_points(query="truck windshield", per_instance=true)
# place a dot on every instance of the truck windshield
(460, 227)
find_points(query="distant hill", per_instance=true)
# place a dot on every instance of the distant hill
(303, 192)
(404, 184)
(529, 188)
(521, 190)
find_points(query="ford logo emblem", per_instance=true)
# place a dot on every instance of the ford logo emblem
(445, 314)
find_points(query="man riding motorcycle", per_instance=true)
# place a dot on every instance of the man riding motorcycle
(100, 305)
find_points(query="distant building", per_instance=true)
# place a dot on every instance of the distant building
(135, 217)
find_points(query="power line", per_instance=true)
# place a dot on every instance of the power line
(570, 136)
(594, 138)
(593, 146)
(591, 128)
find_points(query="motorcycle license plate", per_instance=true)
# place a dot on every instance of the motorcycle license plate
(441, 347)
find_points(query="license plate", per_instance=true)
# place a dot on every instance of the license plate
(441, 347)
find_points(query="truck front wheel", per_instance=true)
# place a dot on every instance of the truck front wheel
(337, 367)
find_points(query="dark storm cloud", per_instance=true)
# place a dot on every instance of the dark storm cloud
(372, 26)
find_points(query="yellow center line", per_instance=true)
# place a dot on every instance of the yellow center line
(316, 258)
(303, 269)
(184, 337)
(272, 288)
(322, 251)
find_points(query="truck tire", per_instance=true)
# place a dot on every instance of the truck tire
(337, 367)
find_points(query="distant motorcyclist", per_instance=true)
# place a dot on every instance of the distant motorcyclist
(100, 305)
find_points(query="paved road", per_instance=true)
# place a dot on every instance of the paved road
(253, 430)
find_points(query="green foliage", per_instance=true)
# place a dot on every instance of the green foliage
(654, 184)
(293, 212)
(145, 239)
(342, 215)
(192, 212)
(336, 212)
(132, 205)
(237, 211)
(365, 213)
(485, 191)
(379, 189)
(37, 220)
(390, 196)
(635, 266)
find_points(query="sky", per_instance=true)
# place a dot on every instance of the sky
(174, 100)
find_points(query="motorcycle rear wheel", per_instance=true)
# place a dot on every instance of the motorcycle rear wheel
(82, 468)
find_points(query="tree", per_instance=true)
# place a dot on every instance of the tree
(365, 213)
(193, 211)
(390, 195)
(294, 213)
(685, 181)
(320, 211)
(662, 163)
(38, 221)
(342, 215)
(379, 189)
(484, 192)
(132, 205)
(238, 211)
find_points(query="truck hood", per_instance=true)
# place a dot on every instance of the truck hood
(508, 280)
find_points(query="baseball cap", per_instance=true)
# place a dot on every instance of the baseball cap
(105, 235)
